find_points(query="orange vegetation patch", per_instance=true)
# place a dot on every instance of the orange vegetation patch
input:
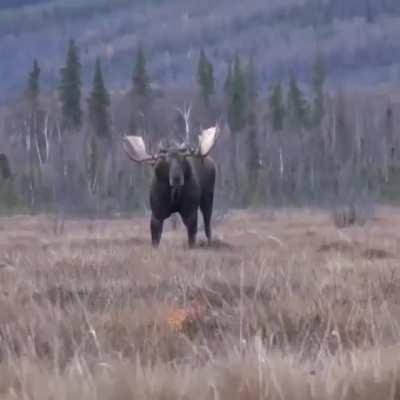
(180, 319)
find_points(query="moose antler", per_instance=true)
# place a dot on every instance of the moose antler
(207, 140)
(135, 148)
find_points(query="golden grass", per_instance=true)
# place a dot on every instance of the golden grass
(282, 306)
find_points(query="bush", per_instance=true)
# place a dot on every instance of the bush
(345, 216)
(351, 214)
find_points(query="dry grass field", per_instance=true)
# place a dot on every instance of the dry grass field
(283, 306)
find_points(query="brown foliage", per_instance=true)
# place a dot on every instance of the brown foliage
(344, 216)
(267, 312)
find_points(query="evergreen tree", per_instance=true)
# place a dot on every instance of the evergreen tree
(70, 89)
(210, 78)
(276, 106)
(369, 14)
(33, 88)
(253, 154)
(237, 114)
(141, 83)
(202, 72)
(297, 106)
(318, 82)
(8, 195)
(237, 101)
(205, 77)
(98, 104)
(252, 81)
(32, 96)
(228, 82)
(92, 161)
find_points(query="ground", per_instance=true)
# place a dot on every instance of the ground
(282, 306)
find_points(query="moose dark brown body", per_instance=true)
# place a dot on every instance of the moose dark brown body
(182, 185)
(183, 182)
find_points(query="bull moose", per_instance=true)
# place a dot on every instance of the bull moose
(183, 181)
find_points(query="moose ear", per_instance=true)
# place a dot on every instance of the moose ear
(207, 140)
(135, 149)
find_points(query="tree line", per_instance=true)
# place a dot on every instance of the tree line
(296, 144)
(283, 33)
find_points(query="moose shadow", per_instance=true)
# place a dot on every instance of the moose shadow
(215, 245)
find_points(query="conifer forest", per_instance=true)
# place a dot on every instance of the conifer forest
(305, 120)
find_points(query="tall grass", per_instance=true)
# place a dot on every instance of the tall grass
(282, 306)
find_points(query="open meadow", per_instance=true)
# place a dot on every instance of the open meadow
(282, 306)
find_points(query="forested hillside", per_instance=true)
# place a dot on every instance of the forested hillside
(77, 75)
(7, 4)
(360, 39)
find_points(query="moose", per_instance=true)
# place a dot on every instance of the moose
(183, 181)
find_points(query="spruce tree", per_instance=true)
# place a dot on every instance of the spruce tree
(237, 114)
(297, 106)
(205, 77)
(202, 69)
(369, 14)
(140, 78)
(318, 82)
(210, 80)
(33, 88)
(253, 154)
(32, 96)
(252, 80)
(276, 106)
(92, 164)
(228, 82)
(237, 101)
(70, 89)
(98, 104)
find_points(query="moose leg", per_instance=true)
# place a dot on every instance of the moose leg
(156, 227)
(206, 207)
(190, 222)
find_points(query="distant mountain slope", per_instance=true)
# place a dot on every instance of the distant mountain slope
(360, 39)
(19, 3)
